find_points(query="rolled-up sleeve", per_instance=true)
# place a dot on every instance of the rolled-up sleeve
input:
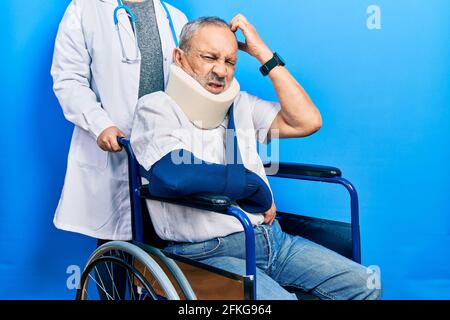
(263, 115)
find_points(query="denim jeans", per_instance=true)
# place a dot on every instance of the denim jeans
(284, 260)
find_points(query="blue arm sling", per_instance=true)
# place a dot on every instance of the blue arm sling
(246, 188)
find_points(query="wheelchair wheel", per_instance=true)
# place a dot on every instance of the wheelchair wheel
(123, 271)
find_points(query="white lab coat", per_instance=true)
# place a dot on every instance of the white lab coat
(96, 90)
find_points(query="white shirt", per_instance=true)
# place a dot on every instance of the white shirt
(160, 126)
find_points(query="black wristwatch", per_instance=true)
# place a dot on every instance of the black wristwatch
(272, 63)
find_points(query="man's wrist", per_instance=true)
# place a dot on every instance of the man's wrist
(272, 63)
(264, 56)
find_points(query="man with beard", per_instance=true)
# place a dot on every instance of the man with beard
(166, 125)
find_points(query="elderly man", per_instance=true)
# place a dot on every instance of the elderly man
(208, 53)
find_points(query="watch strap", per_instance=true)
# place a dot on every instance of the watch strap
(272, 63)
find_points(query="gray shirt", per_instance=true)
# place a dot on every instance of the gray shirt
(152, 73)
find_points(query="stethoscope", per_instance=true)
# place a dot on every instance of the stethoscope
(132, 17)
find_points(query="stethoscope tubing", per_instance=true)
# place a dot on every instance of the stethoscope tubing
(132, 17)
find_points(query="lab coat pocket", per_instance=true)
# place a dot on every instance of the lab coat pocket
(86, 151)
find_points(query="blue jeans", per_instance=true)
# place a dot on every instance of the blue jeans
(284, 260)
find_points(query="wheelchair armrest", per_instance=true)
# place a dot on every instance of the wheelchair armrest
(209, 202)
(309, 170)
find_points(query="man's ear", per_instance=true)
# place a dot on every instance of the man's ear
(178, 56)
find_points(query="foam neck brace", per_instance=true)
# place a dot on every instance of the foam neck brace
(203, 108)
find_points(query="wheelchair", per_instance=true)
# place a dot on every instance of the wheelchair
(140, 269)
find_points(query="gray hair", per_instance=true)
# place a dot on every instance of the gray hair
(193, 26)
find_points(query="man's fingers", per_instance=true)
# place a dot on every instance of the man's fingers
(107, 146)
(103, 146)
(243, 46)
(248, 31)
(273, 218)
(115, 147)
(239, 18)
(233, 24)
(240, 25)
(107, 140)
(242, 18)
(110, 145)
(270, 215)
(239, 22)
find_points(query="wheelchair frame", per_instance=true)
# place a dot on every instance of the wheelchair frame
(221, 204)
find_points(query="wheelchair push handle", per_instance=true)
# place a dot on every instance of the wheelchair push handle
(122, 141)
(125, 144)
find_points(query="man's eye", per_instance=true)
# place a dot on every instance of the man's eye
(231, 63)
(209, 58)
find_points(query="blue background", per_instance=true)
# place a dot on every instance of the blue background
(384, 96)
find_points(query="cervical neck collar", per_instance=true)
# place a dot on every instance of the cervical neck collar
(203, 108)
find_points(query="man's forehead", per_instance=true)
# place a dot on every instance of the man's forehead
(221, 41)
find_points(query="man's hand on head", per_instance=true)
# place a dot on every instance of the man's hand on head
(107, 140)
(253, 45)
(269, 216)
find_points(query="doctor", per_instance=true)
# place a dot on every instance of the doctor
(99, 73)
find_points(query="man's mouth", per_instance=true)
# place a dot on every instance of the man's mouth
(215, 87)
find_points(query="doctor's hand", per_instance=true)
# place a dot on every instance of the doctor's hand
(107, 140)
(253, 45)
(270, 215)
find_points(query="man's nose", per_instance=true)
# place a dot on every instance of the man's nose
(220, 69)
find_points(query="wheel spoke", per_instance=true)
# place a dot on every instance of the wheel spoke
(87, 294)
(113, 283)
(101, 281)
(131, 287)
(103, 289)
(109, 264)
